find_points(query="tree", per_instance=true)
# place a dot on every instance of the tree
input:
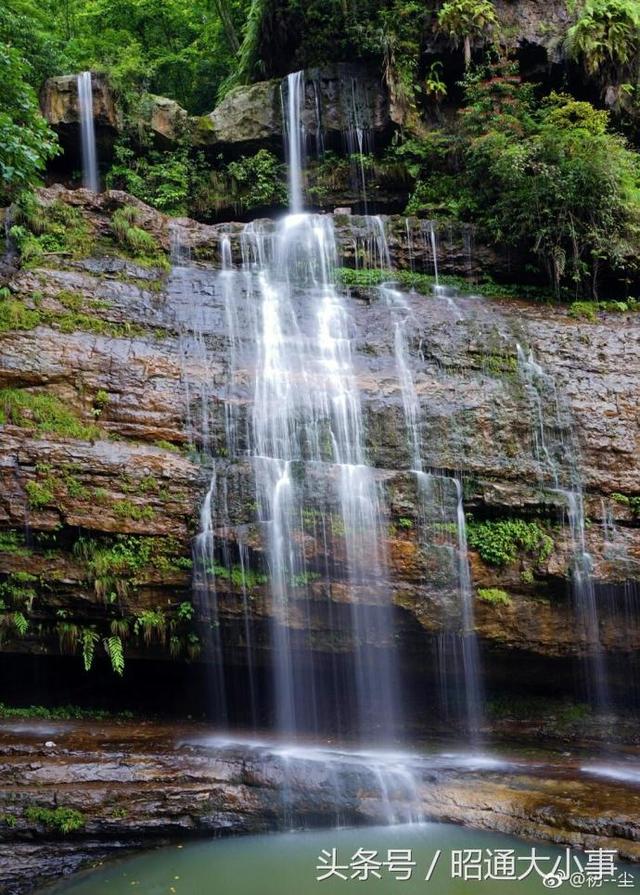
(470, 21)
(26, 142)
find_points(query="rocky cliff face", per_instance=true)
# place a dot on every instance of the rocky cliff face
(110, 366)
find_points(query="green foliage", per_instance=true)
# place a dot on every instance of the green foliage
(249, 182)
(501, 542)
(61, 820)
(20, 623)
(552, 179)
(163, 180)
(589, 310)
(12, 543)
(15, 316)
(606, 37)
(127, 509)
(26, 27)
(167, 446)
(88, 639)
(468, 22)
(238, 576)
(52, 229)
(39, 496)
(26, 142)
(152, 624)
(494, 595)
(185, 612)
(59, 713)
(45, 414)
(630, 501)
(117, 564)
(141, 244)
(18, 589)
(368, 278)
(113, 647)
(179, 48)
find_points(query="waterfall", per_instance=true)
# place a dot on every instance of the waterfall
(179, 248)
(319, 508)
(557, 454)
(358, 139)
(306, 445)
(438, 496)
(90, 178)
(431, 230)
(293, 105)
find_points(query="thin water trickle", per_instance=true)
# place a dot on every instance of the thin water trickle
(90, 178)
(557, 454)
(436, 497)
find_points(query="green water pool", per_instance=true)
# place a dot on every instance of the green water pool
(394, 859)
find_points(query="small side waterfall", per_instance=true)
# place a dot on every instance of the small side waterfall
(440, 500)
(90, 177)
(558, 457)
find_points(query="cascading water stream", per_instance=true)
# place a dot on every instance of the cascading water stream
(293, 97)
(307, 419)
(559, 460)
(435, 497)
(90, 177)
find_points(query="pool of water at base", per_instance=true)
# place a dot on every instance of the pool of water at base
(291, 864)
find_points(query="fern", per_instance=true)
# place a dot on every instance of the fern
(89, 640)
(113, 647)
(20, 623)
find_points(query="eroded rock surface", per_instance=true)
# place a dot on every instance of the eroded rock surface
(134, 785)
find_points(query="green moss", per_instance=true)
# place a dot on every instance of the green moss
(500, 543)
(44, 413)
(49, 231)
(364, 278)
(498, 364)
(62, 820)
(126, 509)
(167, 446)
(39, 496)
(632, 502)
(70, 300)
(238, 576)
(494, 595)
(139, 244)
(12, 542)
(302, 579)
(15, 316)
(59, 713)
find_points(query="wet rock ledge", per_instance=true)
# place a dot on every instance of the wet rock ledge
(129, 785)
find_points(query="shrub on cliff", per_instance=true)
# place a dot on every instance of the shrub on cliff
(544, 176)
(551, 178)
(26, 142)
